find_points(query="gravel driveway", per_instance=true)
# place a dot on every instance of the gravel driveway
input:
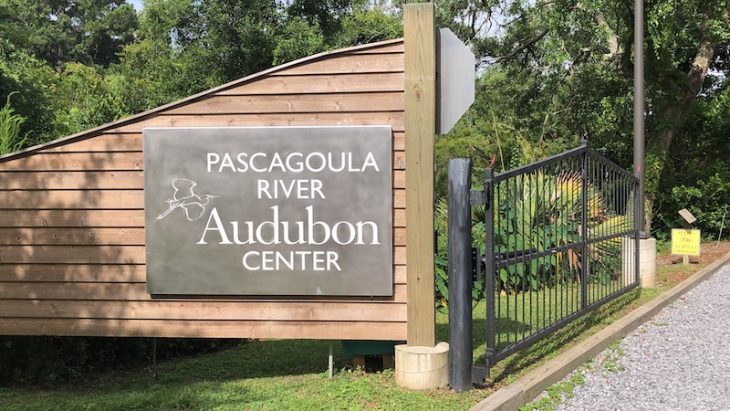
(679, 360)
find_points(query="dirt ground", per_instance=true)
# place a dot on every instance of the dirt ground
(709, 252)
(670, 270)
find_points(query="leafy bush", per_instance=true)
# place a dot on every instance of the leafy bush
(10, 128)
(707, 200)
(543, 212)
(697, 173)
(534, 215)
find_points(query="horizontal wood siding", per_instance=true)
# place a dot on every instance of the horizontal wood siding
(112, 292)
(210, 310)
(94, 150)
(72, 235)
(321, 83)
(394, 118)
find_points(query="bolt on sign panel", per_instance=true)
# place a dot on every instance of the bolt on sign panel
(299, 211)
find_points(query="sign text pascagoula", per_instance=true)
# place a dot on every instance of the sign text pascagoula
(269, 211)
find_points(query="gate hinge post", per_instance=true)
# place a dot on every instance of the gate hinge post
(476, 264)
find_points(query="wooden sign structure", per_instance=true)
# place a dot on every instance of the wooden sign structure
(686, 241)
(72, 226)
(72, 231)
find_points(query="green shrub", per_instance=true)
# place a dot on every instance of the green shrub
(707, 200)
(10, 128)
(534, 215)
(543, 212)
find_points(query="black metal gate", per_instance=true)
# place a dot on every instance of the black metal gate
(560, 241)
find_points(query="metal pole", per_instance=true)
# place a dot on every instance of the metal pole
(584, 228)
(460, 280)
(637, 234)
(722, 225)
(490, 270)
(639, 127)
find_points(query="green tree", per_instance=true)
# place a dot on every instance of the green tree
(86, 98)
(697, 176)
(561, 70)
(325, 14)
(367, 25)
(59, 31)
(550, 72)
(296, 39)
(165, 63)
(240, 35)
(186, 46)
(34, 81)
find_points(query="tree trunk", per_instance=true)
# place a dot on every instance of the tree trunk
(673, 117)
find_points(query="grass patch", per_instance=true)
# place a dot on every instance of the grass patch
(268, 375)
(610, 360)
(555, 395)
(285, 374)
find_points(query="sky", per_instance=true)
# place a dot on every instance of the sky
(137, 4)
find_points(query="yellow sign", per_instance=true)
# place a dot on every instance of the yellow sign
(685, 242)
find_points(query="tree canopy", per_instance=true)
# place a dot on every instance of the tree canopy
(551, 72)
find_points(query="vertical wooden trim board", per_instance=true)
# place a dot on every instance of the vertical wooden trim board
(72, 234)
(420, 124)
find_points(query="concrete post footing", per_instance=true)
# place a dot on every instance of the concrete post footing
(647, 261)
(422, 368)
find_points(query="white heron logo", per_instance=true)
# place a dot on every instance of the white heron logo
(185, 198)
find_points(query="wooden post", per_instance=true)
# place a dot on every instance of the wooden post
(420, 125)
(688, 227)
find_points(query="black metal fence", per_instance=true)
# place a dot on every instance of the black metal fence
(560, 241)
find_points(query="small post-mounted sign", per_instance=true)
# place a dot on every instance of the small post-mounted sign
(269, 211)
(686, 242)
(456, 75)
(687, 216)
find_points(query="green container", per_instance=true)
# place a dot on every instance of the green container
(365, 348)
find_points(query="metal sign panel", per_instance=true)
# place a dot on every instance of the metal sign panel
(456, 73)
(687, 216)
(269, 211)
